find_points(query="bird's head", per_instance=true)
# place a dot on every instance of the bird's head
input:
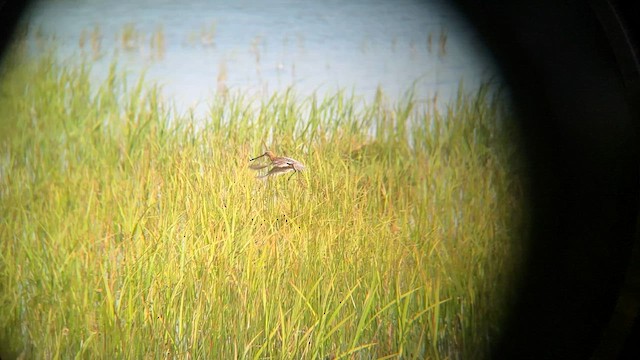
(270, 154)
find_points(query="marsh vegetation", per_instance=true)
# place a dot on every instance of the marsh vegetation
(129, 229)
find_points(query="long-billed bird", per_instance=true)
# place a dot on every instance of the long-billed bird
(280, 164)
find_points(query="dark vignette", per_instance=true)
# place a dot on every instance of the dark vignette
(572, 68)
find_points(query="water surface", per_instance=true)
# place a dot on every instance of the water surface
(196, 49)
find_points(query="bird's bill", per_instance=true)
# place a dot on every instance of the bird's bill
(258, 157)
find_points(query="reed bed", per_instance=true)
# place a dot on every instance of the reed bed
(131, 231)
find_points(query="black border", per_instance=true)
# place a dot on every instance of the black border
(573, 71)
(572, 67)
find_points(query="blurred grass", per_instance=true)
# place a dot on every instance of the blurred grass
(128, 230)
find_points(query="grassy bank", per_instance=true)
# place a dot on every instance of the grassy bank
(125, 234)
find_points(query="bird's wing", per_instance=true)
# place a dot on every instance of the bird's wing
(276, 171)
(258, 166)
(295, 164)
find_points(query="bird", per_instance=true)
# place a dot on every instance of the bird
(280, 164)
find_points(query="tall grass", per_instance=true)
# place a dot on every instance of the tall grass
(131, 231)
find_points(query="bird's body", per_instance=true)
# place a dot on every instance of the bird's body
(280, 164)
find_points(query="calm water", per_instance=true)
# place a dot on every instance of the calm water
(195, 49)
